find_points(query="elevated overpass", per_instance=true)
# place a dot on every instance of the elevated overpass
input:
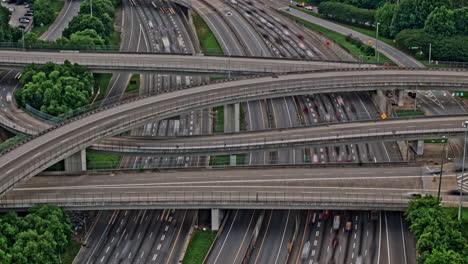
(358, 188)
(167, 63)
(420, 128)
(48, 147)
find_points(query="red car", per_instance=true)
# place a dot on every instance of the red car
(326, 214)
(334, 243)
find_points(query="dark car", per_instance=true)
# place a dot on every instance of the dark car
(28, 14)
(22, 27)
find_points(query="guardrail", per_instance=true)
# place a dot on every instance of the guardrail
(222, 199)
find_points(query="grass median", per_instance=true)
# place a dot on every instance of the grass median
(208, 41)
(97, 161)
(409, 112)
(133, 84)
(199, 246)
(71, 250)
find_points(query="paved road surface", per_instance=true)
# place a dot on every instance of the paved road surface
(69, 10)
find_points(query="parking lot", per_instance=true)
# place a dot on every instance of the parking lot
(19, 11)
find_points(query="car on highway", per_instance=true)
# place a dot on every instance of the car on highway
(334, 242)
(326, 214)
(336, 222)
(349, 226)
(309, 7)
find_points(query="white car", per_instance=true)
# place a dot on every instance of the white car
(309, 7)
(11, 9)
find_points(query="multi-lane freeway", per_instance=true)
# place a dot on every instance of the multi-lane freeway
(51, 146)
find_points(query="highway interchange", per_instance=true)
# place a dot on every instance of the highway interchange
(123, 235)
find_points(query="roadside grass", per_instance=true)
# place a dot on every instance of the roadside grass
(199, 246)
(408, 112)
(98, 161)
(218, 120)
(56, 7)
(133, 84)
(101, 81)
(71, 250)
(437, 140)
(341, 39)
(208, 41)
(11, 142)
(114, 40)
(224, 160)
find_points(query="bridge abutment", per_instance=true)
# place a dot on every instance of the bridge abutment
(216, 218)
(76, 162)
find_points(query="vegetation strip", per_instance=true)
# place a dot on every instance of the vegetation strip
(208, 41)
(199, 246)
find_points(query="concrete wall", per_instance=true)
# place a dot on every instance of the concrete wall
(76, 162)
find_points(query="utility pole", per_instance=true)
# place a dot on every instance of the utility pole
(22, 32)
(465, 125)
(430, 50)
(91, 7)
(377, 42)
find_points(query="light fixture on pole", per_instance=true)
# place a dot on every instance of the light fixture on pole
(443, 157)
(465, 125)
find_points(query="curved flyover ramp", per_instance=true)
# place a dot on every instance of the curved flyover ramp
(45, 149)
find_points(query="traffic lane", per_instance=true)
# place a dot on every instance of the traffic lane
(338, 129)
(180, 237)
(396, 55)
(171, 238)
(230, 246)
(69, 10)
(223, 177)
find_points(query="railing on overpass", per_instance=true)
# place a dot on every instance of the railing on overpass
(241, 144)
(218, 199)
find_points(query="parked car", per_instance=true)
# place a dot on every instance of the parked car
(28, 14)
(11, 9)
(309, 7)
(24, 20)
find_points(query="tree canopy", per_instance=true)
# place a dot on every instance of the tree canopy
(439, 237)
(42, 13)
(7, 33)
(36, 238)
(55, 89)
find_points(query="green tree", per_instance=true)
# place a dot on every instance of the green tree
(444, 257)
(84, 21)
(412, 14)
(384, 16)
(32, 248)
(100, 7)
(460, 17)
(87, 37)
(440, 22)
(42, 13)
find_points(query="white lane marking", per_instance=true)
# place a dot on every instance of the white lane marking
(388, 244)
(227, 236)
(107, 249)
(282, 238)
(103, 258)
(380, 239)
(162, 237)
(403, 238)
(154, 257)
(159, 247)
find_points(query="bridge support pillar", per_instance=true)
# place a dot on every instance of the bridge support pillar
(401, 97)
(232, 124)
(381, 101)
(216, 217)
(76, 162)
(419, 147)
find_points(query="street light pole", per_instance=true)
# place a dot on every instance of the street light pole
(442, 166)
(465, 125)
(91, 7)
(377, 42)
